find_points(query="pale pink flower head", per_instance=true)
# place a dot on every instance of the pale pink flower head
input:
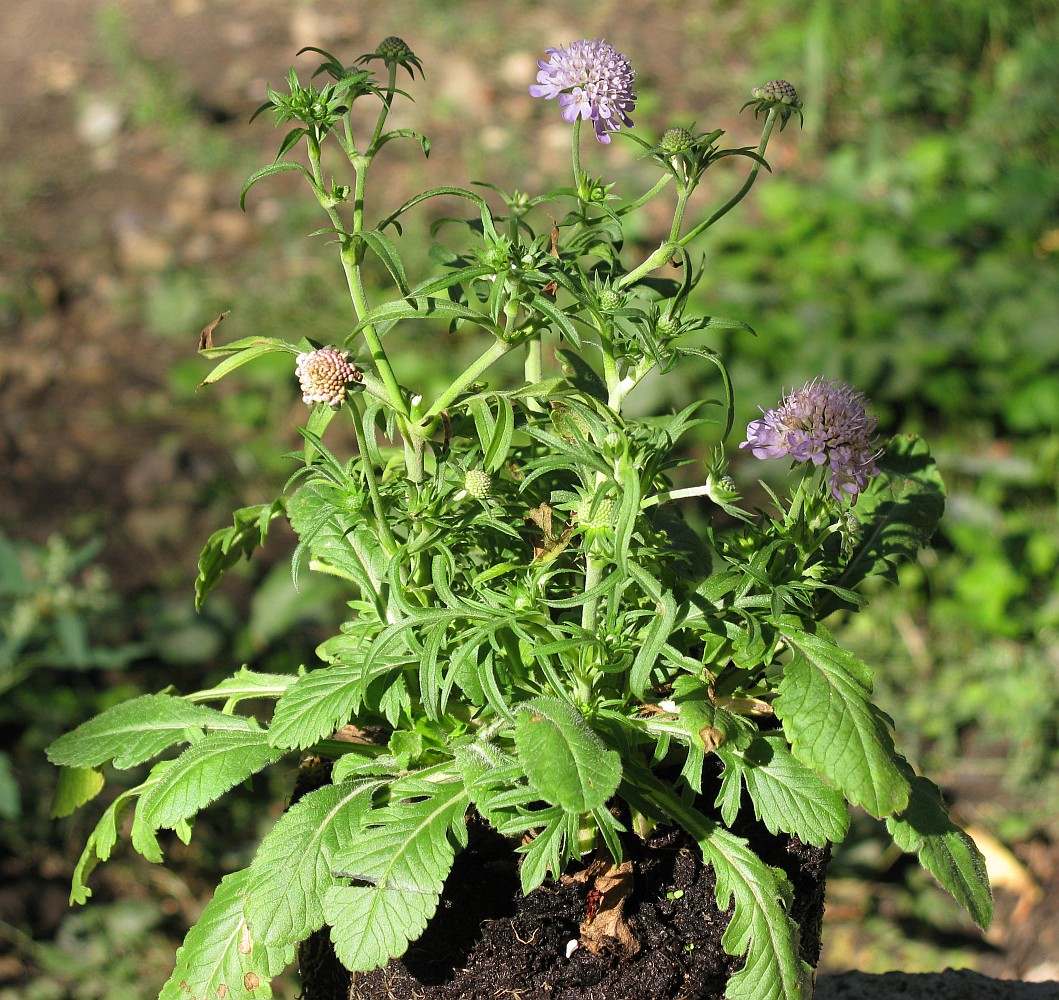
(324, 374)
(591, 80)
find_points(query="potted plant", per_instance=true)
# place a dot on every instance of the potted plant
(555, 703)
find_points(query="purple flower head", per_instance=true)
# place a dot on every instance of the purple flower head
(592, 80)
(324, 374)
(823, 422)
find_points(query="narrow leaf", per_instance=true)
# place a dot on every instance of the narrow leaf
(945, 850)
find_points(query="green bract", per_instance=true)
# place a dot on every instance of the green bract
(536, 633)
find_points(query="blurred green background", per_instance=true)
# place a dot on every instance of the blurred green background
(907, 242)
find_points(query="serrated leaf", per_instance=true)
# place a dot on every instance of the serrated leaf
(404, 852)
(946, 851)
(651, 641)
(760, 926)
(202, 773)
(898, 513)
(219, 956)
(825, 706)
(564, 760)
(76, 786)
(706, 723)
(100, 843)
(137, 730)
(291, 871)
(786, 794)
(316, 705)
(544, 853)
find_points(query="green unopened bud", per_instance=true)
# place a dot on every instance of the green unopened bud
(393, 49)
(778, 90)
(596, 515)
(609, 300)
(479, 484)
(667, 325)
(677, 140)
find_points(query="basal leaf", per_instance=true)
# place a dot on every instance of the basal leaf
(760, 926)
(137, 730)
(220, 957)
(204, 772)
(825, 705)
(565, 761)
(403, 853)
(291, 871)
(945, 850)
(786, 794)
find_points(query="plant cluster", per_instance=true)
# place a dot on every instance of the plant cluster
(535, 633)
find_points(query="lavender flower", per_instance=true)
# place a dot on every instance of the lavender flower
(823, 421)
(592, 80)
(324, 375)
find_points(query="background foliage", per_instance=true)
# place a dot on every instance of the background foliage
(906, 243)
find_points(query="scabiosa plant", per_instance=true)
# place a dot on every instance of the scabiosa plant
(823, 422)
(534, 636)
(592, 81)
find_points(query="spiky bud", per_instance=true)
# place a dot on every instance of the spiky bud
(778, 90)
(478, 483)
(677, 140)
(596, 515)
(393, 49)
(610, 299)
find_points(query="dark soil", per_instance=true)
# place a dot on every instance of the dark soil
(489, 941)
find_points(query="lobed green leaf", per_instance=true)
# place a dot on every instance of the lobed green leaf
(220, 957)
(291, 871)
(564, 760)
(204, 772)
(137, 730)
(825, 705)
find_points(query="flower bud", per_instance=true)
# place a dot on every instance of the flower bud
(781, 91)
(677, 140)
(393, 49)
(324, 375)
(602, 516)
(478, 483)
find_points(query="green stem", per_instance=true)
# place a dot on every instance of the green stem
(490, 356)
(766, 132)
(646, 197)
(576, 151)
(661, 256)
(386, 536)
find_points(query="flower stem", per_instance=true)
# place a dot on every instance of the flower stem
(485, 360)
(575, 146)
(766, 132)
